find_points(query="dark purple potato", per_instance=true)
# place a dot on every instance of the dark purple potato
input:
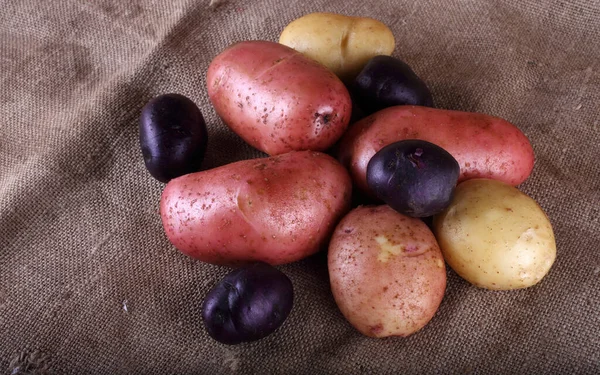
(173, 136)
(386, 81)
(248, 304)
(414, 177)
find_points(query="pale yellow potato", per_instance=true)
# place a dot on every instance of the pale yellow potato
(386, 271)
(344, 44)
(495, 236)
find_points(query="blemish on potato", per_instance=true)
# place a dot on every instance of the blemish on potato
(225, 223)
(411, 248)
(376, 329)
(216, 82)
(387, 249)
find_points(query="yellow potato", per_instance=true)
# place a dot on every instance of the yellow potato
(495, 236)
(344, 44)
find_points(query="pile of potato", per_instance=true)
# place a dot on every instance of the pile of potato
(409, 161)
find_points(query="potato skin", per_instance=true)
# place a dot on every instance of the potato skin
(276, 210)
(414, 177)
(342, 43)
(386, 270)
(484, 146)
(276, 99)
(495, 236)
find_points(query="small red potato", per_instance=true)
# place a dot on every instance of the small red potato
(386, 270)
(276, 210)
(277, 99)
(484, 146)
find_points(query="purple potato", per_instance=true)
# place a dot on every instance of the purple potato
(173, 136)
(385, 82)
(414, 177)
(248, 304)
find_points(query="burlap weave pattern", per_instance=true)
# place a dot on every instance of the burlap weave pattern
(90, 285)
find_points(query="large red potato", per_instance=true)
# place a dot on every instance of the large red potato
(386, 270)
(276, 210)
(484, 146)
(277, 99)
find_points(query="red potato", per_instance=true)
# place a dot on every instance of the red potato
(276, 210)
(484, 146)
(387, 272)
(277, 99)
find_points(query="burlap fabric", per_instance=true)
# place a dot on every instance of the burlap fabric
(90, 285)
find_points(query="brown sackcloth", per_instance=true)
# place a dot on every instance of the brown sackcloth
(89, 284)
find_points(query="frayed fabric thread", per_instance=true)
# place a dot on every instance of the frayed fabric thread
(30, 362)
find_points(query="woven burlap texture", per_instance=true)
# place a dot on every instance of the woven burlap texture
(89, 284)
